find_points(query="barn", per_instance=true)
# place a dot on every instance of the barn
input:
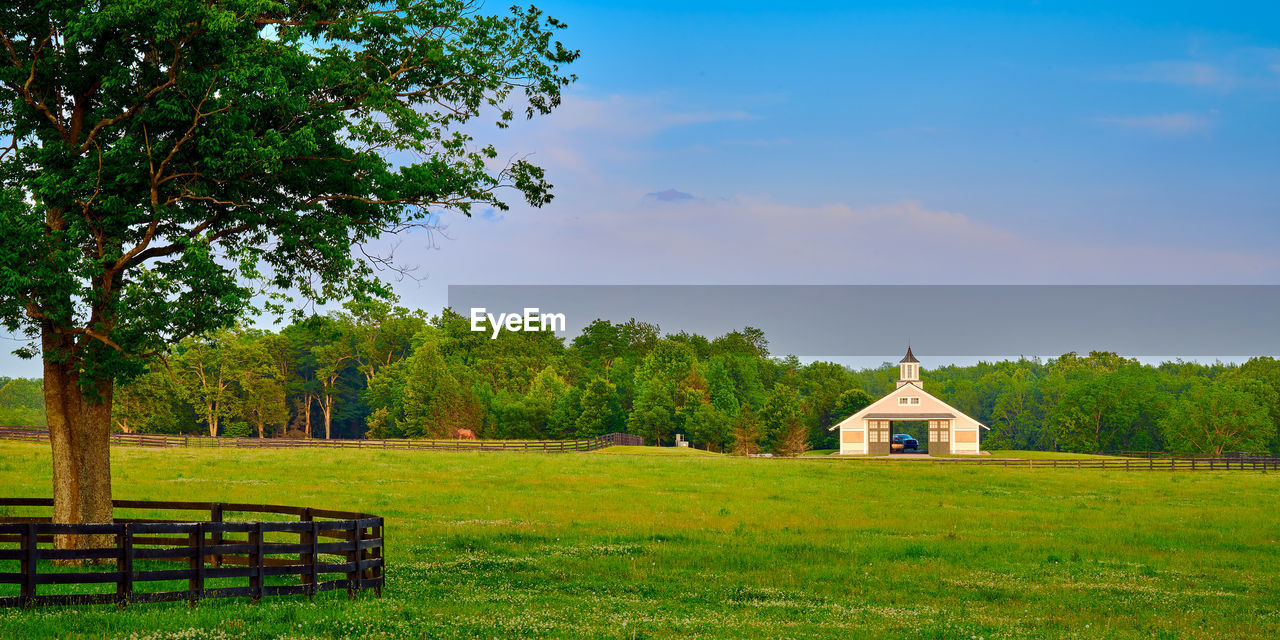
(870, 430)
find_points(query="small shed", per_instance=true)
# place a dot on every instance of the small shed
(870, 431)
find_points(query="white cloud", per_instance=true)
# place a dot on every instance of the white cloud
(584, 130)
(1181, 72)
(1251, 69)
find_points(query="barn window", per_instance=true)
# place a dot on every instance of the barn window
(915, 400)
(902, 402)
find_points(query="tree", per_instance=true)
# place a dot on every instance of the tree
(781, 409)
(419, 398)
(262, 398)
(660, 381)
(330, 356)
(599, 345)
(848, 403)
(1102, 402)
(1266, 372)
(1210, 418)
(1014, 414)
(747, 432)
(206, 369)
(600, 411)
(146, 403)
(381, 334)
(167, 160)
(793, 440)
(21, 402)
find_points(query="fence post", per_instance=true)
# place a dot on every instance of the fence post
(353, 577)
(309, 559)
(380, 534)
(195, 584)
(30, 565)
(124, 565)
(255, 561)
(215, 515)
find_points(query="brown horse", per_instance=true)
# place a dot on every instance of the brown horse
(465, 434)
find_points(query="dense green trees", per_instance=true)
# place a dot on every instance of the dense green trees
(379, 370)
(21, 402)
(1211, 418)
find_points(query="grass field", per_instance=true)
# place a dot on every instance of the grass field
(632, 546)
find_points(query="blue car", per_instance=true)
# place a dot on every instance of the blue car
(906, 441)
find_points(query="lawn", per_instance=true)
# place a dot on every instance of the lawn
(655, 451)
(641, 546)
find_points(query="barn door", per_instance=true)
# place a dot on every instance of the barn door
(880, 437)
(939, 437)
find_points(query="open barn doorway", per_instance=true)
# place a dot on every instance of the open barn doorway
(909, 436)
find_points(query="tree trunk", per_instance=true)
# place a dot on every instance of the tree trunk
(79, 434)
(326, 405)
(211, 418)
(308, 418)
(261, 429)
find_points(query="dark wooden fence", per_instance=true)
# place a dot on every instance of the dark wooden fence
(157, 440)
(1233, 455)
(225, 556)
(1133, 464)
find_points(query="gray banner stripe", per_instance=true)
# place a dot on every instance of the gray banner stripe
(942, 320)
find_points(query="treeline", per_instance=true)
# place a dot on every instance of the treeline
(21, 402)
(381, 371)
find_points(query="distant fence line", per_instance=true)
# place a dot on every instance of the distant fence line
(1233, 455)
(1179, 463)
(322, 550)
(163, 441)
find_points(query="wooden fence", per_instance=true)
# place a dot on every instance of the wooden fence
(1133, 464)
(1233, 455)
(218, 558)
(158, 440)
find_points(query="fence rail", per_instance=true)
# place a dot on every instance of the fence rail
(1133, 464)
(218, 558)
(159, 440)
(1233, 455)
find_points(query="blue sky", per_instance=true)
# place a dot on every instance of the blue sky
(767, 143)
(843, 143)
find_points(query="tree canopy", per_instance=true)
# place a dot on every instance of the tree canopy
(167, 164)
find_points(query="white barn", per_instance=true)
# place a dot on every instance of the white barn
(869, 431)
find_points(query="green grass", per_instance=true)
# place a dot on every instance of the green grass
(643, 546)
(657, 451)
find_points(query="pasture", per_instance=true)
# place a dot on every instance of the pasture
(613, 544)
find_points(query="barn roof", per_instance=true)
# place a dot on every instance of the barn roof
(909, 357)
(909, 416)
(886, 409)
